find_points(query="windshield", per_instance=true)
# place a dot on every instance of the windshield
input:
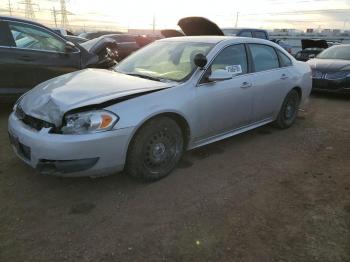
(164, 60)
(336, 52)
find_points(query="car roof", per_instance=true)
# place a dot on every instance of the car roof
(217, 39)
(17, 19)
(244, 28)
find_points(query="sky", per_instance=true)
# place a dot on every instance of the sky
(124, 14)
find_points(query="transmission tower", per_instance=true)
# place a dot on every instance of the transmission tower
(64, 14)
(29, 10)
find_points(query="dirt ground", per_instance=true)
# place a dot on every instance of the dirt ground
(267, 195)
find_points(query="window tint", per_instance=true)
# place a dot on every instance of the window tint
(31, 37)
(246, 34)
(285, 61)
(5, 35)
(232, 59)
(259, 34)
(264, 57)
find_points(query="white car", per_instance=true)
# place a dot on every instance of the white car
(173, 95)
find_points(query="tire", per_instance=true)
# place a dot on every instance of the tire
(289, 110)
(155, 150)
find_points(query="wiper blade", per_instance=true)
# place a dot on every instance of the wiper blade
(146, 77)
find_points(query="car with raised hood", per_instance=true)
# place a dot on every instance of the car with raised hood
(173, 95)
(310, 48)
(331, 69)
(31, 53)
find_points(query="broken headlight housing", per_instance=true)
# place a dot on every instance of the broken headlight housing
(89, 122)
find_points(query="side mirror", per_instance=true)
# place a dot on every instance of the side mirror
(200, 60)
(312, 56)
(220, 75)
(70, 47)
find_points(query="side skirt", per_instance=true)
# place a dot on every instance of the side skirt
(230, 133)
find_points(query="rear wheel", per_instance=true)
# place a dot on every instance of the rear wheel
(155, 150)
(289, 110)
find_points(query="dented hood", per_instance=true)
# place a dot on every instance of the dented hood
(193, 26)
(50, 100)
(309, 43)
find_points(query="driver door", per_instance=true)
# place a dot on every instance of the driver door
(38, 55)
(226, 105)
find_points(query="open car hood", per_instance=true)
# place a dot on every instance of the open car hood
(96, 54)
(98, 44)
(309, 43)
(192, 26)
(171, 33)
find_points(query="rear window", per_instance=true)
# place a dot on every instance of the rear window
(260, 34)
(264, 57)
(285, 60)
(246, 34)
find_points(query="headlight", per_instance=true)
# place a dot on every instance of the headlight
(89, 122)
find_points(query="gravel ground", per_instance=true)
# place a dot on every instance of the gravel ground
(267, 195)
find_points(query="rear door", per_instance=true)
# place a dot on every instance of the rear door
(38, 55)
(271, 81)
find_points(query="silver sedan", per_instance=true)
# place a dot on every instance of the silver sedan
(173, 95)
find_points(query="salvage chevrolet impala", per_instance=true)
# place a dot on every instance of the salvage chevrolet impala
(175, 94)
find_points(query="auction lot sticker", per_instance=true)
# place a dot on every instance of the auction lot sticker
(234, 69)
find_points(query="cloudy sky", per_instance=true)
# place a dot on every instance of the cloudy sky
(125, 14)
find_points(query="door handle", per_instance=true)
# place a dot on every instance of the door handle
(246, 85)
(284, 77)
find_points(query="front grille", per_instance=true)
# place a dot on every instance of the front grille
(30, 121)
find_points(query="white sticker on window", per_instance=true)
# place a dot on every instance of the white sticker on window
(234, 69)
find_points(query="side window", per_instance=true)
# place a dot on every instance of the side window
(246, 34)
(233, 59)
(264, 57)
(260, 34)
(31, 37)
(285, 60)
(5, 35)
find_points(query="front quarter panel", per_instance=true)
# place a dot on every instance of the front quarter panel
(135, 112)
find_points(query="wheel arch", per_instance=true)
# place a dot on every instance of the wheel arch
(177, 117)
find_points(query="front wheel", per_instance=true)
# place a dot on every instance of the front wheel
(289, 110)
(155, 150)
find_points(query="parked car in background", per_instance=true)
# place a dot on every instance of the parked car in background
(75, 39)
(173, 95)
(310, 48)
(92, 35)
(31, 53)
(62, 31)
(331, 69)
(246, 32)
(284, 45)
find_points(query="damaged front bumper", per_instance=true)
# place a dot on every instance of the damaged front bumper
(91, 155)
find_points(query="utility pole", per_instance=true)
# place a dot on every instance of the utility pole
(10, 8)
(237, 17)
(54, 12)
(64, 14)
(154, 23)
